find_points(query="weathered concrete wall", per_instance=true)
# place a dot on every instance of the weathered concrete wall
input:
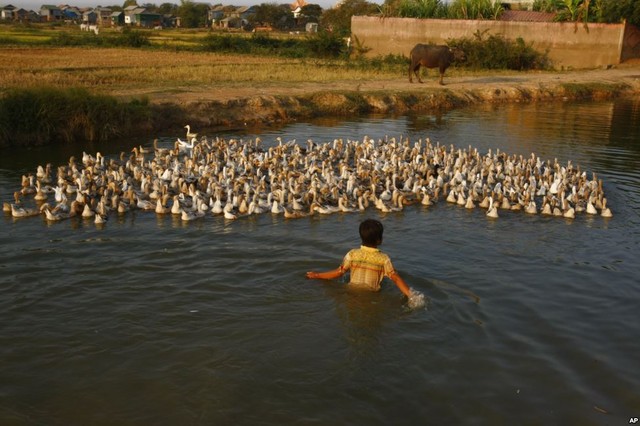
(569, 45)
(631, 43)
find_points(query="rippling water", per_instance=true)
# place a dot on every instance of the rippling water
(149, 320)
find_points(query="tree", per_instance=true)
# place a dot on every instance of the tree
(150, 7)
(338, 19)
(128, 3)
(476, 9)
(272, 14)
(193, 15)
(608, 11)
(312, 12)
(619, 10)
(416, 8)
(168, 9)
(546, 5)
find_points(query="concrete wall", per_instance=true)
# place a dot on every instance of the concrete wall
(569, 45)
(631, 43)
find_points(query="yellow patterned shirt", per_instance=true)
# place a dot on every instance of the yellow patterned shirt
(367, 266)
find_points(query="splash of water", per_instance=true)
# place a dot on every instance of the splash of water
(416, 300)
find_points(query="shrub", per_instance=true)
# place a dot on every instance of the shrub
(46, 115)
(226, 43)
(474, 9)
(322, 44)
(421, 9)
(128, 38)
(131, 38)
(325, 44)
(497, 52)
(65, 38)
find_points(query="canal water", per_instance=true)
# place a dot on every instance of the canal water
(151, 320)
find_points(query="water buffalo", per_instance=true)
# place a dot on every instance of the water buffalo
(432, 56)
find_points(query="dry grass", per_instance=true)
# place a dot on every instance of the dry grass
(119, 71)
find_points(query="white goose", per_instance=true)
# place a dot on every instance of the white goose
(189, 215)
(276, 208)
(18, 211)
(426, 200)
(569, 212)
(160, 208)
(145, 204)
(55, 216)
(469, 204)
(492, 211)
(342, 205)
(184, 146)
(190, 135)
(606, 211)
(531, 208)
(175, 207)
(100, 219)
(87, 212)
(229, 215)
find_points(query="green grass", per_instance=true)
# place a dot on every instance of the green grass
(43, 116)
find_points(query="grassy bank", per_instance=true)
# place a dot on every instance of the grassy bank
(47, 116)
(34, 117)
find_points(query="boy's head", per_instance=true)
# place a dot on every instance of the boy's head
(371, 232)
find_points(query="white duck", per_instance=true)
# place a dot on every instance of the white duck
(492, 211)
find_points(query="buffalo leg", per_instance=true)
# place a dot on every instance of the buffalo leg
(415, 68)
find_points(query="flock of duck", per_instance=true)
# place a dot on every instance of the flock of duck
(237, 178)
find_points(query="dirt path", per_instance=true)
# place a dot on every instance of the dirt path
(628, 73)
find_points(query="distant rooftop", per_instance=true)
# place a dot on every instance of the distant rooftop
(527, 16)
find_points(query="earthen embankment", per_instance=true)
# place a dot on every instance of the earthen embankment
(239, 107)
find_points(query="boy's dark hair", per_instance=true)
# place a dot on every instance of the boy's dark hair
(371, 232)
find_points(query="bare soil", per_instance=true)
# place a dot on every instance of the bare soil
(244, 105)
(628, 73)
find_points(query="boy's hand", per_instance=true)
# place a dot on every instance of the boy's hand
(312, 275)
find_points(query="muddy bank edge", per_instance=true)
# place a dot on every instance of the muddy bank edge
(268, 109)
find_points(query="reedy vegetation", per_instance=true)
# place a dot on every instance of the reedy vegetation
(46, 115)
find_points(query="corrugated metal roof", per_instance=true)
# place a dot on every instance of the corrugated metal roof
(526, 16)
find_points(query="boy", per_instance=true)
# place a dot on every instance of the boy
(368, 265)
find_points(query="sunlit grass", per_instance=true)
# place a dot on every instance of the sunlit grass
(113, 71)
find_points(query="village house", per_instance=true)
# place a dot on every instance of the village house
(237, 17)
(24, 15)
(140, 17)
(215, 14)
(296, 8)
(219, 16)
(117, 18)
(7, 12)
(71, 13)
(103, 16)
(50, 13)
(89, 17)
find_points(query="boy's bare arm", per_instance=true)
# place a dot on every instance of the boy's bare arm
(404, 288)
(328, 275)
